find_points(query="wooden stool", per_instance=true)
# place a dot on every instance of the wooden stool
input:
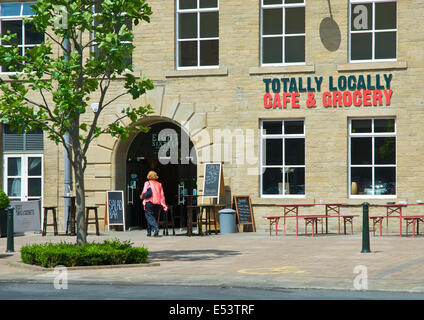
(207, 221)
(94, 220)
(54, 224)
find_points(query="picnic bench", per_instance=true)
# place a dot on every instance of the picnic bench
(332, 210)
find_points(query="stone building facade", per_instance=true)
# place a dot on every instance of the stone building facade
(313, 101)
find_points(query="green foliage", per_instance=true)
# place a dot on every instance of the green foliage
(66, 83)
(90, 254)
(4, 200)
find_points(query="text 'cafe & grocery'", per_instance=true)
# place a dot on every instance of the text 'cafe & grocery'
(345, 91)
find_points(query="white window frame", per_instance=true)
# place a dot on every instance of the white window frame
(283, 34)
(372, 135)
(16, 18)
(262, 166)
(198, 39)
(24, 175)
(372, 31)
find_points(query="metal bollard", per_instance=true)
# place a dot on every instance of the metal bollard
(365, 228)
(10, 233)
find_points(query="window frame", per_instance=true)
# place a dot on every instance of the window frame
(372, 135)
(24, 156)
(16, 18)
(282, 137)
(283, 35)
(198, 39)
(373, 31)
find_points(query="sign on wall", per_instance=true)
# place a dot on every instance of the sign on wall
(342, 91)
(26, 216)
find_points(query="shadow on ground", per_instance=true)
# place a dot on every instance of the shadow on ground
(190, 255)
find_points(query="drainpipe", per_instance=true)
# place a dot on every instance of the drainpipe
(67, 164)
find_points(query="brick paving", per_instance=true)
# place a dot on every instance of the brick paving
(246, 260)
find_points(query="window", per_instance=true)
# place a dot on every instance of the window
(25, 142)
(282, 158)
(99, 54)
(11, 19)
(23, 176)
(23, 164)
(373, 30)
(197, 34)
(372, 157)
(282, 32)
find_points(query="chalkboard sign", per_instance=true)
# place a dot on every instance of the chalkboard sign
(244, 210)
(115, 208)
(212, 183)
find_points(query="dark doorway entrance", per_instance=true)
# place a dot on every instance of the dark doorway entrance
(170, 158)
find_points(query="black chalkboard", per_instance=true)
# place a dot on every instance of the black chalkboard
(115, 208)
(211, 186)
(244, 210)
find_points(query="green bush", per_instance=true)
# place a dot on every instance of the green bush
(4, 200)
(110, 252)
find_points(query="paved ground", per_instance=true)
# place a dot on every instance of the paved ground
(254, 260)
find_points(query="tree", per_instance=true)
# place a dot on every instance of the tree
(53, 92)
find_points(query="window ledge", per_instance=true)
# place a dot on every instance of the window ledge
(389, 65)
(221, 71)
(253, 71)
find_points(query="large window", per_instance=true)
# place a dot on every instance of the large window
(372, 157)
(23, 164)
(23, 176)
(282, 158)
(197, 33)
(282, 32)
(373, 30)
(11, 20)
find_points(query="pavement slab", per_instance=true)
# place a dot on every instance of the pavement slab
(249, 259)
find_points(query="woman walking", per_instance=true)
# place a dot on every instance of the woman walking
(153, 199)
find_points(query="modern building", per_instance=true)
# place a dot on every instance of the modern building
(302, 101)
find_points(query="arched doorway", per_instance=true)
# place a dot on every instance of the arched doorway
(168, 150)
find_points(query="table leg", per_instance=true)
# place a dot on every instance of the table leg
(189, 222)
(297, 217)
(381, 227)
(413, 228)
(270, 225)
(344, 224)
(326, 220)
(387, 222)
(276, 226)
(313, 223)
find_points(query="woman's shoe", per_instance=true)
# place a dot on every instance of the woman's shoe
(156, 234)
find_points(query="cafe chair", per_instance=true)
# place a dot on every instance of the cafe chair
(45, 224)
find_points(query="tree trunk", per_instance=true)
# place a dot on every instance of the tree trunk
(80, 204)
